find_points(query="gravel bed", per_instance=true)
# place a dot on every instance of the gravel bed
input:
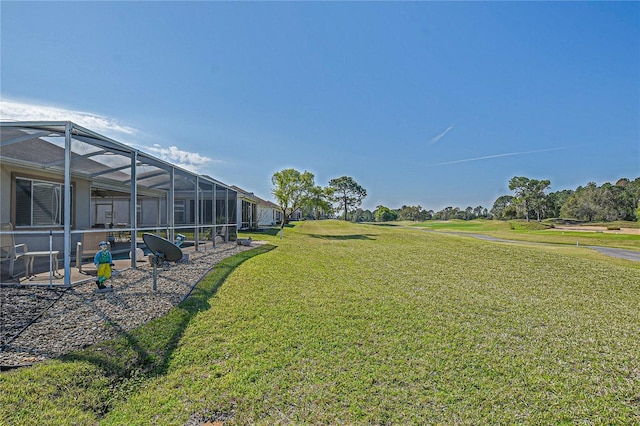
(37, 323)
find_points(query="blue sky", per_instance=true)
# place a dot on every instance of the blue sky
(423, 103)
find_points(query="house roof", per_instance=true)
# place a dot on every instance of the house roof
(249, 196)
(268, 204)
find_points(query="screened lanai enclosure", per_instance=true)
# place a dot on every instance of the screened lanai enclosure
(61, 183)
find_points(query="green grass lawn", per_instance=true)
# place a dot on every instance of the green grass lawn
(536, 232)
(363, 324)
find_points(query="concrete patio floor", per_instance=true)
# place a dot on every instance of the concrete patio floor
(42, 276)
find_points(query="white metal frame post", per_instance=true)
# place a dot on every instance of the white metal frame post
(214, 217)
(196, 213)
(133, 207)
(172, 208)
(68, 128)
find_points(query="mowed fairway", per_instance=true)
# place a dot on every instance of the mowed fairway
(363, 324)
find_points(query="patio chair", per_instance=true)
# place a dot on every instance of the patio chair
(11, 251)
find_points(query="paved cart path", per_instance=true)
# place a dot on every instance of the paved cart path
(609, 251)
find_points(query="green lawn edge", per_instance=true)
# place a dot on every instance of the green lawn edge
(83, 386)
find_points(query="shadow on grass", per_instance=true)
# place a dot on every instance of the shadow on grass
(145, 351)
(345, 237)
(272, 231)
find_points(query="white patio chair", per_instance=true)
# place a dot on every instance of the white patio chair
(9, 250)
(12, 252)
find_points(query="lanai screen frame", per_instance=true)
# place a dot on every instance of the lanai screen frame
(157, 175)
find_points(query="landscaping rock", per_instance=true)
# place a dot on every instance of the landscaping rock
(37, 323)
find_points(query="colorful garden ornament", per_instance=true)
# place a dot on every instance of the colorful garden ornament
(103, 262)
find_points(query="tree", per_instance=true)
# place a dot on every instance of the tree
(459, 214)
(468, 213)
(612, 199)
(630, 197)
(480, 211)
(555, 201)
(291, 190)
(446, 213)
(604, 203)
(318, 201)
(367, 216)
(414, 213)
(361, 215)
(537, 195)
(428, 214)
(347, 193)
(582, 204)
(530, 193)
(384, 214)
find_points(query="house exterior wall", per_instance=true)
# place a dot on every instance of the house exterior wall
(80, 208)
(296, 215)
(153, 212)
(82, 211)
(265, 216)
(268, 216)
(5, 194)
(109, 211)
(247, 214)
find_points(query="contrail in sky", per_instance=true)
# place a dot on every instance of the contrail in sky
(440, 136)
(508, 154)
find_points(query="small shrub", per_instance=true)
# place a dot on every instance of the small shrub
(613, 228)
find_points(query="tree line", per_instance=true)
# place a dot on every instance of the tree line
(531, 200)
(297, 191)
(605, 203)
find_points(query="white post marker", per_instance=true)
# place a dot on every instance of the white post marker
(51, 259)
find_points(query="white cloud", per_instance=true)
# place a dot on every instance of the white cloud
(20, 111)
(191, 161)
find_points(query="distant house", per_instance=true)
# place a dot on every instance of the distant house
(247, 209)
(269, 213)
(296, 215)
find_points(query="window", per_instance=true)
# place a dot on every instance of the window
(39, 203)
(179, 212)
(206, 213)
(246, 214)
